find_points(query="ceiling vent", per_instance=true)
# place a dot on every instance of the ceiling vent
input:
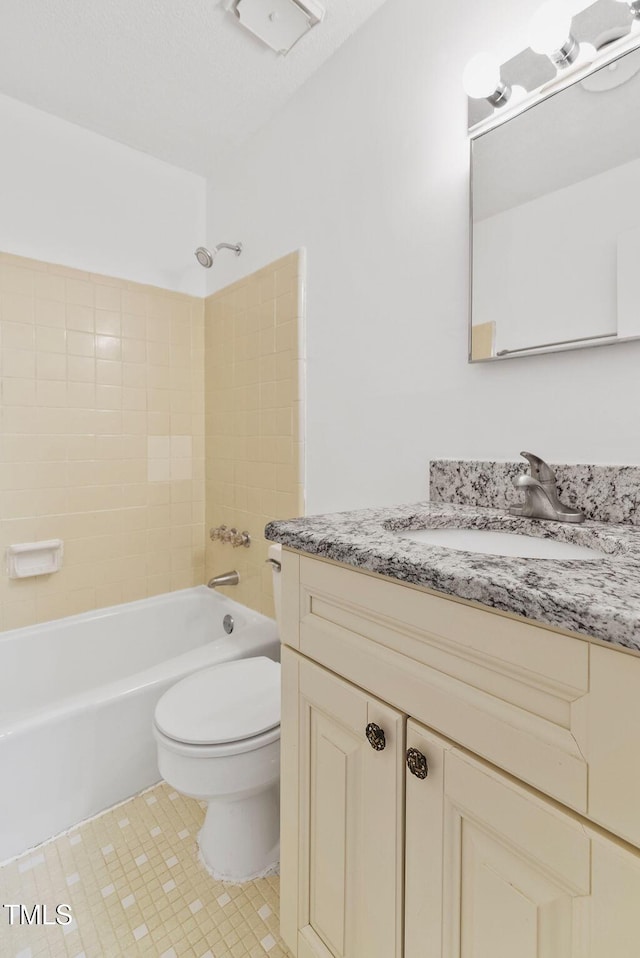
(278, 23)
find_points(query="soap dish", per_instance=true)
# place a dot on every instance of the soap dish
(34, 558)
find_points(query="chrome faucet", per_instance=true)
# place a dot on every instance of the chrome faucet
(541, 495)
(237, 539)
(227, 578)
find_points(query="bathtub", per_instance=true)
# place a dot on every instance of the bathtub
(77, 698)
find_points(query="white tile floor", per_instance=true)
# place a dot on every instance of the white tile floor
(136, 887)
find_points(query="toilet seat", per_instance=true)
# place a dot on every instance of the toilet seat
(225, 709)
(216, 751)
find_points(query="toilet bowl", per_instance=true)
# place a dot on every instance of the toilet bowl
(218, 739)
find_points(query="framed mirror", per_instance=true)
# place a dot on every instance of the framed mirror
(555, 211)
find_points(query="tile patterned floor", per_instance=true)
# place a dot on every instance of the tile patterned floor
(136, 887)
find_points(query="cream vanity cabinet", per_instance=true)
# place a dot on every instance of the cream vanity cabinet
(456, 783)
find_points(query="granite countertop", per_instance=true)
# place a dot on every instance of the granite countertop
(598, 599)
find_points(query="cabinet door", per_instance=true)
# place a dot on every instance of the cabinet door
(342, 818)
(493, 870)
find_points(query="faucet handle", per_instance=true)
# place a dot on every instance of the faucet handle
(540, 470)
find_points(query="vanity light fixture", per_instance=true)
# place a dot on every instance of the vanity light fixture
(482, 80)
(561, 46)
(550, 34)
(634, 7)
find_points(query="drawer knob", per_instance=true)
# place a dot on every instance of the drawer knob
(417, 763)
(375, 736)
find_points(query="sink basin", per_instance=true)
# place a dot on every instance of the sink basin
(495, 543)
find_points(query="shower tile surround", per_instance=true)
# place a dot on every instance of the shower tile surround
(94, 371)
(136, 888)
(599, 600)
(103, 431)
(253, 412)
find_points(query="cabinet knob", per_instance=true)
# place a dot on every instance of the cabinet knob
(375, 736)
(417, 763)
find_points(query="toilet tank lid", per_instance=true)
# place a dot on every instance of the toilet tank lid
(225, 703)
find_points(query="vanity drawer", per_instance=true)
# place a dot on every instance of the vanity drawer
(509, 691)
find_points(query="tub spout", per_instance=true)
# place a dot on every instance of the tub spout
(227, 578)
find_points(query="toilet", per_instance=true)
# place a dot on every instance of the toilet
(218, 738)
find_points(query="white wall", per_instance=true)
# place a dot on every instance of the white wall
(73, 197)
(368, 168)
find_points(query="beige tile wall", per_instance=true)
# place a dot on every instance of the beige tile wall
(253, 403)
(102, 437)
(102, 431)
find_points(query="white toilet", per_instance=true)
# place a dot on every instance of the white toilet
(218, 737)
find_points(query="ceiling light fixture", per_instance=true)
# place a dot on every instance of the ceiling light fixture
(278, 23)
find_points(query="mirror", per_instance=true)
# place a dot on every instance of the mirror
(556, 220)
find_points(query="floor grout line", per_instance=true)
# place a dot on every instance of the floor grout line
(132, 878)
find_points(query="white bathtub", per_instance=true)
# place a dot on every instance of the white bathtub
(77, 698)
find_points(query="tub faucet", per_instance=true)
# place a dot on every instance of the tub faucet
(227, 578)
(541, 495)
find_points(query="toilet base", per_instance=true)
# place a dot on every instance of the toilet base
(266, 873)
(240, 839)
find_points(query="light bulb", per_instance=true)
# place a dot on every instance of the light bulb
(633, 5)
(482, 80)
(550, 33)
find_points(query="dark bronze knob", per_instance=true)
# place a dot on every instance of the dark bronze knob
(376, 737)
(417, 763)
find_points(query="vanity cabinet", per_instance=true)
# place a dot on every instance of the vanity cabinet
(437, 761)
(350, 816)
(493, 870)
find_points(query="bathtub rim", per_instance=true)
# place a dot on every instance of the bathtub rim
(104, 612)
(177, 666)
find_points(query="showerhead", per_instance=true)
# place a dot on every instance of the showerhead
(205, 257)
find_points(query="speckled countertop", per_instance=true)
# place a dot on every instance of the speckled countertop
(599, 599)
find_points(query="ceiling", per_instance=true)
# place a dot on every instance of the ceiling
(178, 79)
